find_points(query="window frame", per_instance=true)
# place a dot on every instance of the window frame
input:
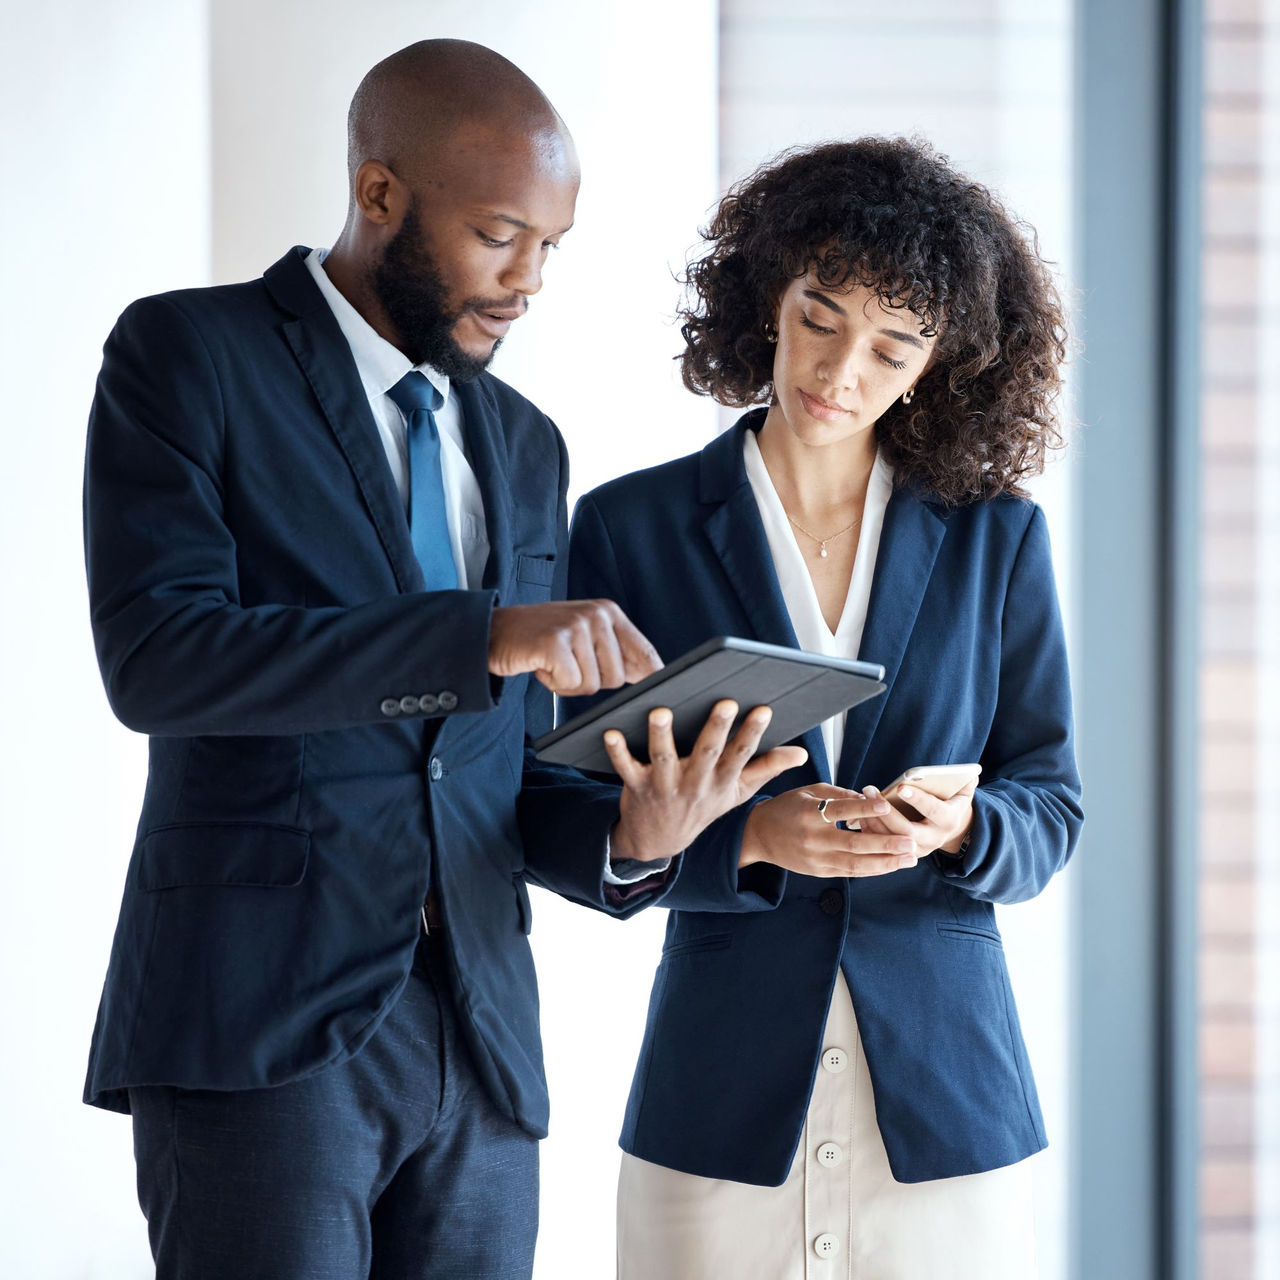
(1135, 1177)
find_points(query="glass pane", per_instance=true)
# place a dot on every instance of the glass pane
(1239, 962)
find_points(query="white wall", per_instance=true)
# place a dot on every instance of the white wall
(105, 156)
(163, 143)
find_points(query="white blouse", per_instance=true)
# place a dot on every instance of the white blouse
(798, 592)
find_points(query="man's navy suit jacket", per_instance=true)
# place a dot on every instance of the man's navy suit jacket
(964, 617)
(326, 740)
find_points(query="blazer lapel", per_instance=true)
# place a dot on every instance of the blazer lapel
(487, 446)
(909, 542)
(325, 358)
(487, 451)
(737, 536)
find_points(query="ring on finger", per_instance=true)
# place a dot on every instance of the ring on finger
(822, 811)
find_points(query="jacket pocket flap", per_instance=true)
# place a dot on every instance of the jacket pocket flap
(539, 570)
(707, 942)
(226, 853)
(969, 933)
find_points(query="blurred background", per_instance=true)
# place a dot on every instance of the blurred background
(156, 144)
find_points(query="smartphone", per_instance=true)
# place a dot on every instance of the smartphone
(941, 780)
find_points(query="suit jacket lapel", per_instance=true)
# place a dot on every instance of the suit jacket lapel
(487, 445)
(737, 536)
(487, 451)
(909, 542)
(325, 358)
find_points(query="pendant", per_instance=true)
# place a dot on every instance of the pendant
(822, 551)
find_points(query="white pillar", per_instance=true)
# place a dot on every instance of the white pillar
(105, 158)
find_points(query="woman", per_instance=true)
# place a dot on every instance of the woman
(833, 1081)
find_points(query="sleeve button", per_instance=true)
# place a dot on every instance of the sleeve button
(409, 705)
(390, 707)
(448, 700)
(428, 704)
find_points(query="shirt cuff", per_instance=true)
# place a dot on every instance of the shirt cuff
(630, 870)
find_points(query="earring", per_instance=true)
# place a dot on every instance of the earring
(770, 331)
(908, 395)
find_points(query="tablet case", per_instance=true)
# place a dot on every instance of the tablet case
(803, 688)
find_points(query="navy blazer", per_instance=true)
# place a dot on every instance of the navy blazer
(326, 740)
(964, 616)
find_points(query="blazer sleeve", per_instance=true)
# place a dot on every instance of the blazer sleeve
(706, 876)
(180, 653)
(1026, 812)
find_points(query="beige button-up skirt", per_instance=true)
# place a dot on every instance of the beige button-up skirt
(839, 1214)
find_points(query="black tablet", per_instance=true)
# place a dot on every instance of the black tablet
(804, 689)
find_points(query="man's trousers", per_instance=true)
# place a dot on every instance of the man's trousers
(393, 1165)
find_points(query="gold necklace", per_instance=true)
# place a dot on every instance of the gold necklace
(831, 537)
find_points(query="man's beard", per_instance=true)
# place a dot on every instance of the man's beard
(408, 284)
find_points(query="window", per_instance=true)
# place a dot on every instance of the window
(1239, 685)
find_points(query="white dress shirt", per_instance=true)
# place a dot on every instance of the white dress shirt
(797, 586)
(381, 366)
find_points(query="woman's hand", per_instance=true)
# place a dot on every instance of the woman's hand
(670, 800)
(791, 832)
(940, 825)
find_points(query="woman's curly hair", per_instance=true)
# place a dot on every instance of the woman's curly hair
(892, 215)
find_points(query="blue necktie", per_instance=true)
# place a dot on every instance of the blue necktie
(428, 524)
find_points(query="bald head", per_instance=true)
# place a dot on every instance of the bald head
(411, 107)
(463, 179)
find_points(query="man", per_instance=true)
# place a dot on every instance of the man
(322, 544)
